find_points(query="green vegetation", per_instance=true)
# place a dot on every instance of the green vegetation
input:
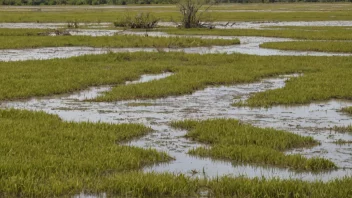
(23, 32)
(42, 155)
(233, 140)
(343, 129)
(124, 2)
(347, 110)
(323, 33)
(167, 185)
(16, 42)
(139, 21)
(324, 77)
(318, 46)
(328, 83)
(340, 141)
(110, 15)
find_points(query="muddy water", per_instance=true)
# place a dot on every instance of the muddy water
(220, 25)
(93, 32)
(249, 45)
(50, 25)
(266, 24)
(213, 102)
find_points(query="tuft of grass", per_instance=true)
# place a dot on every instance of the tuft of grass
(341, 141)
(42, 156)
(120, 41)
(230, 139)
(347, 110)
(318, 46)
(343, 129)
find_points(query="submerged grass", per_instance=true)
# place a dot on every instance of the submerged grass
(16, 42)
(41, 155)
(318, 46)
(325, 33)
(233, 140)
(347, 110)
(343, 129)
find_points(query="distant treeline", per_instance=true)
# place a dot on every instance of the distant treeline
(124, 2)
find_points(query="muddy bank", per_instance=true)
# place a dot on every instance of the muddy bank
(214, 102)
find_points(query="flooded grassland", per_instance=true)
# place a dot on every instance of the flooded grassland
(161, 114)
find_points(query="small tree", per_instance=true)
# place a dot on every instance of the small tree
(192, 17)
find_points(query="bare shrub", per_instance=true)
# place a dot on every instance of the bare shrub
(72, 24)
(139, 21)
(192, 16)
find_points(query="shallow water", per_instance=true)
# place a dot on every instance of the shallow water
(218, 24)
(266, 24)
(213, 102)
(249, 45)
(50, 25)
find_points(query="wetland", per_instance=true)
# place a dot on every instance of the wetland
(251, 108)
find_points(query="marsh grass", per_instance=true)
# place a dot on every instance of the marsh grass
(328, 83)
(41, 155)
(318, 46)
(323, 78)
(347, 110)
(109, 15)
(120, 41)
(233, 140)
(343, 129)
(23, 32)
(341, 141)
(323, 33)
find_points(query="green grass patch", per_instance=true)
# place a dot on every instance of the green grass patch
(110, 15)
(23, 32)
(168, 185)
(328, 83)
(16, 42)
(41, 155)
(325, 33)
(233, 140)
(317, 46)
(324, 77)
